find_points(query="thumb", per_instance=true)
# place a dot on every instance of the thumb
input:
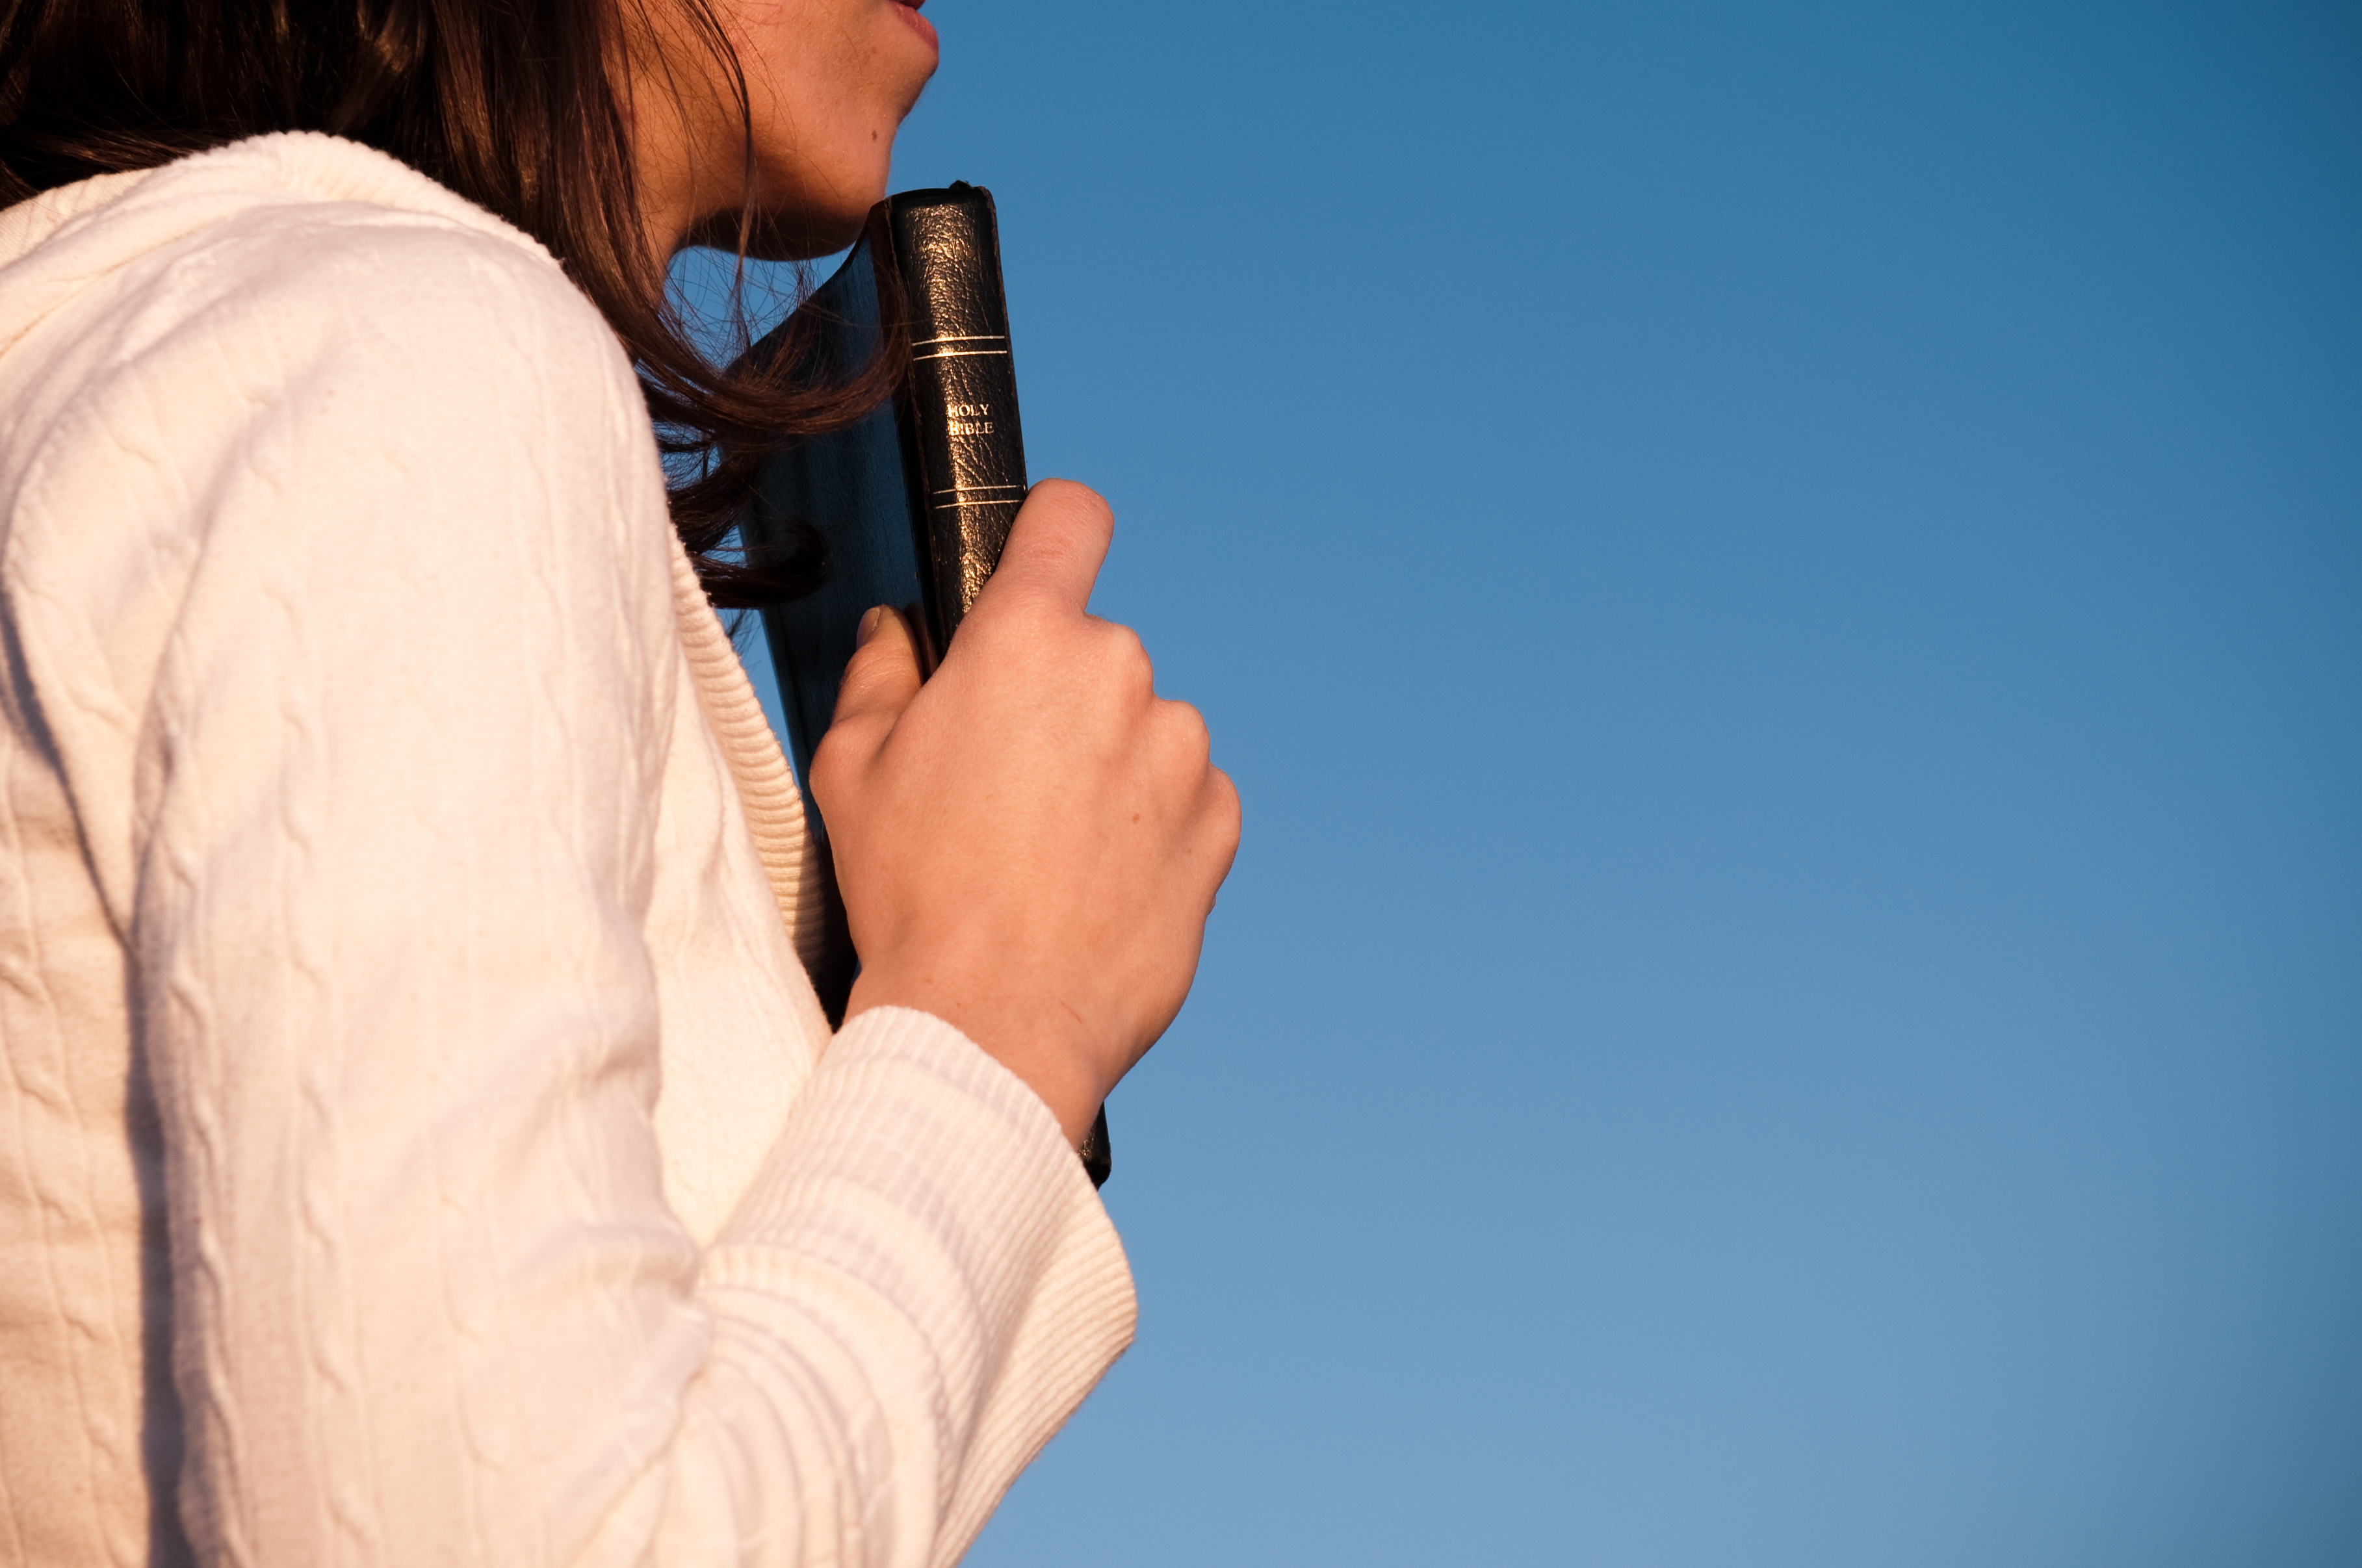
(1056, 546)
(880, 679)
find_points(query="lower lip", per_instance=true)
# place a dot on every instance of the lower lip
(925, 29)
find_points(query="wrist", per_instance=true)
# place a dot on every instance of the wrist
(1042, 1040)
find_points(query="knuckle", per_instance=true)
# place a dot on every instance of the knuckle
(1223, 795)
(833, 764)
(1227, 818)
(1233, 811)
(1123, 657)
(1186, 728)
(826, 763)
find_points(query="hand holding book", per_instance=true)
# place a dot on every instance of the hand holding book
(998, 800)
(1028, 843)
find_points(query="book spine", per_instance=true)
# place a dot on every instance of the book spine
(958, 405)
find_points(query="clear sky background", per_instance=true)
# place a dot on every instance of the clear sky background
(1782, 585)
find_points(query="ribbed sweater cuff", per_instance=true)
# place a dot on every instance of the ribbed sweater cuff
(918, 1171)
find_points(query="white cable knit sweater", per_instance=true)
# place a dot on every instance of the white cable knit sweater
(417, 1133)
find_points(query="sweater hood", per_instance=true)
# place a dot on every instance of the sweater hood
(60, 242)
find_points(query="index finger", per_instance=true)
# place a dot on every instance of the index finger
(1056, 546)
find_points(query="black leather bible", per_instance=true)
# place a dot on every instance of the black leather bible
(910, 507)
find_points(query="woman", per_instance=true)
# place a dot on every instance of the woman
(421, 1142)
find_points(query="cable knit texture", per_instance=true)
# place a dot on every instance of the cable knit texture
(419, 1142)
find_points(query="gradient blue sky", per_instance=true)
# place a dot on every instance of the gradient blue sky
(1782, 585)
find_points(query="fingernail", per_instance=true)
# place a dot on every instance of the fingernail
(869, 624)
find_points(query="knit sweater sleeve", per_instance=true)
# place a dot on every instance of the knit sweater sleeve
(394, 661)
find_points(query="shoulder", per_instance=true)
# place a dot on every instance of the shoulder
(247, 370)
(318, 290)
(291, 256)
(396, 327)
(377, 286)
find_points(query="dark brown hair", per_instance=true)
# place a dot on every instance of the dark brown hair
(513, 105)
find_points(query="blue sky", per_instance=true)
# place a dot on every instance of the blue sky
(1783, 586)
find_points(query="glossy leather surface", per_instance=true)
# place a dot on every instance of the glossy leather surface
(962, 392)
